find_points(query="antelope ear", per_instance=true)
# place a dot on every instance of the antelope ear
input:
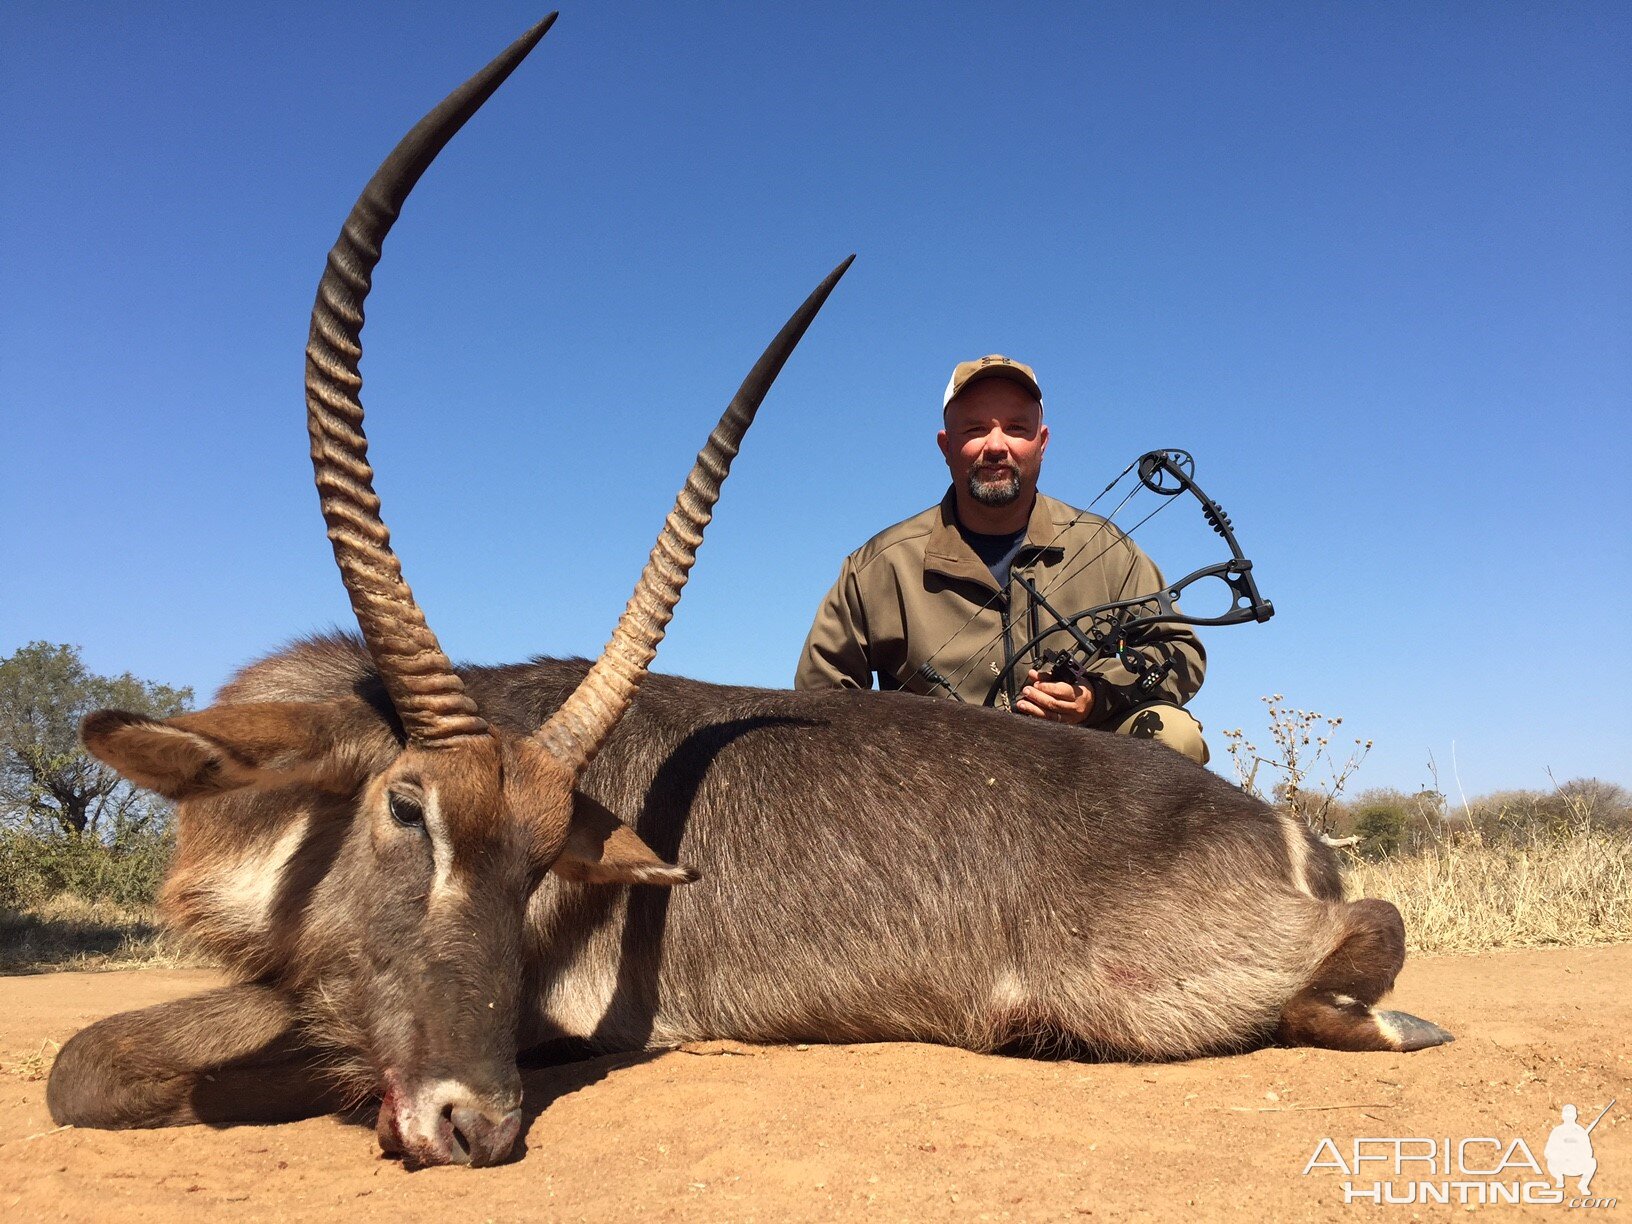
(226, 747)
(601, 849)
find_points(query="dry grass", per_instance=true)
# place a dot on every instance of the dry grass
(33, 1065)
(66, 932)
(1468, 894)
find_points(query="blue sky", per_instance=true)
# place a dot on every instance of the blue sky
(1370, 263)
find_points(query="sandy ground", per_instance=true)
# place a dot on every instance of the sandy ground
(888, 1132)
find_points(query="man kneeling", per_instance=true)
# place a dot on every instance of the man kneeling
(929, 604)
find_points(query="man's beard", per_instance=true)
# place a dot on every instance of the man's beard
(1002, 491)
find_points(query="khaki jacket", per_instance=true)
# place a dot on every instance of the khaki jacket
(917, 593)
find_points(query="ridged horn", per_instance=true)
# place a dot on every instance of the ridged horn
(428, 696)
(576, 731)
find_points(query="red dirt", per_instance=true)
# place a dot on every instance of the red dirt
(890, 1132)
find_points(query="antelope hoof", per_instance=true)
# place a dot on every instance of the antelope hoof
(1412, 1032)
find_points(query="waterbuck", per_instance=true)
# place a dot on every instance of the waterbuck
(414, 870)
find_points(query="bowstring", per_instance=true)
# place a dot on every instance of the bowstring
(1066, 572)
(1074, 521)
(1063, 573)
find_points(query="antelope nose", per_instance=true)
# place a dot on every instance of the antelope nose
(477, 1137)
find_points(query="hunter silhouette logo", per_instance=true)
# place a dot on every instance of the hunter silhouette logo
(1472, 1172)
(1569, 1149)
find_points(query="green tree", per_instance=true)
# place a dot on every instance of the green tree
(48, 783)
(1380, 827)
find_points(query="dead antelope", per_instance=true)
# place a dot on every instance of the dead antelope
(416, 870)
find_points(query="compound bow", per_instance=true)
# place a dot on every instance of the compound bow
(1112, 630)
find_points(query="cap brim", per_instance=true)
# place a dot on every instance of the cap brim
(993, 371)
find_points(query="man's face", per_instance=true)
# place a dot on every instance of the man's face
(994, 441)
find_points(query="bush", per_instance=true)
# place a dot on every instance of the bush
(36, 867)
(1391, 822)
(1380, 829)
(1520, 818)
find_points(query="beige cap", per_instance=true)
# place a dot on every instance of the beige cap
(993, 366)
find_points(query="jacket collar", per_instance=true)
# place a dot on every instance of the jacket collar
(947, 552)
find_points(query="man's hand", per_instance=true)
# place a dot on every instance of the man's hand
(1056, 700)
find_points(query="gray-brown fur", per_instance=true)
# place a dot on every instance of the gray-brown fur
(246, 1036)
(874, 866)
(956, 858)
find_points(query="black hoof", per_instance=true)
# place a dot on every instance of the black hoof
(1412, 1032)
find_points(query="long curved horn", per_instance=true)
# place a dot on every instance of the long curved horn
(428, 696)
(575, 732)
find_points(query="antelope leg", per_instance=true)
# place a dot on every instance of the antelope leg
(229, 1055)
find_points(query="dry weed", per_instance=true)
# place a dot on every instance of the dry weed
(1464, 894)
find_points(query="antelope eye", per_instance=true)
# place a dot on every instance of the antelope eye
(407, 812)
